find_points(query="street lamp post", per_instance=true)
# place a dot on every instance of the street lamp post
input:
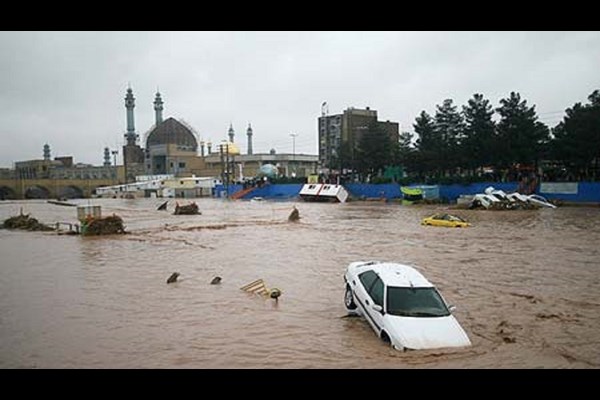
(114, 153)
(293, 135)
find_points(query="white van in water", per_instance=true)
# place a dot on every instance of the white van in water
(401, 306)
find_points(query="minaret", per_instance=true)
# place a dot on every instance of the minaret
(158, 108)
(231, 133)
(249, 133)
(106, 157)
(46, 152)
(209, 147)
(202, 148)
(130, 104)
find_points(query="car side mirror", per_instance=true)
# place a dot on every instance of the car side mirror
(451, 308)
(378, 308)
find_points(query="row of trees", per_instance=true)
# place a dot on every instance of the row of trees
(456, 142)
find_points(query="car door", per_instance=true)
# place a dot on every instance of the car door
(370, 284)
(362, 286)
(376, 294)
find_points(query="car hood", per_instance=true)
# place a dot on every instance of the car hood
(427, 333)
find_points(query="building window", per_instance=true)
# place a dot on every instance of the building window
(181, 165)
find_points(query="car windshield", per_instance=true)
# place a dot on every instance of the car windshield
(415, 302)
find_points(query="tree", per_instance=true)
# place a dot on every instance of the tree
(404, 154)
(427, 146)
(449, 128)
(576, 141)
(521, 138)
(478, 147)
(374, 150)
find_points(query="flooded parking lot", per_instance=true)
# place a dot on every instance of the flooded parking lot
(526, 284)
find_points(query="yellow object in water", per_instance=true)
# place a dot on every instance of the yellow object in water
(411, 191)
(447, 220)
(411, 194)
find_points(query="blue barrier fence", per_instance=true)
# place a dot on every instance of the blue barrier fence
(387, 190)
(268, 191)
(586, 192)
(579, 192)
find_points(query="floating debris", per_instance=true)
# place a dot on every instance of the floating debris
(216, 280)
(25, 222)
(173, 277)
(259, 287)
(256, 287)
(163, 206)
(294, 215)
(102, 226)
(62, 203)
(190, 209)
(493, 199)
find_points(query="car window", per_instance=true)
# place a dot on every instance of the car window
(415, 302)
(367, 278)
(376, 292)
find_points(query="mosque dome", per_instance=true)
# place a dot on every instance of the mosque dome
(171, 131)
(268, 170)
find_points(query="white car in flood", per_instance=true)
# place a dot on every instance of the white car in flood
(402, 306)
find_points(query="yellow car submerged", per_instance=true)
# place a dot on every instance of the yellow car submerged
(448, 220)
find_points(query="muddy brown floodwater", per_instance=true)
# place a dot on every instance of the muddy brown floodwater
(526, 285)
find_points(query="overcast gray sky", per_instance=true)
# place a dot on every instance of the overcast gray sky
(67, 88)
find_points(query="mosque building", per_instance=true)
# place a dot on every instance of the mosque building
(171, 148)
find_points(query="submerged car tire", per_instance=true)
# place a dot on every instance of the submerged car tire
(349, 299)
(386, 338)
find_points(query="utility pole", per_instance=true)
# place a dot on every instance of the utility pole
(293, 135)
(114, 153)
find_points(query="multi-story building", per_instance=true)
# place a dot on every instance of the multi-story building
(344, 131)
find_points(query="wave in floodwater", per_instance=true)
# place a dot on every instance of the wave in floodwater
(525, 284)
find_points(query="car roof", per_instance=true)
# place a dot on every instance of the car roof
(395, 274)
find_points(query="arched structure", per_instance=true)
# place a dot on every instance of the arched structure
(70, 192)
(37, 192)
(7, 193)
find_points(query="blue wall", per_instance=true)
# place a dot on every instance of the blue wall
(387, 190)
(220, 190)
(279, 191)
(269, 191)
(587, 191)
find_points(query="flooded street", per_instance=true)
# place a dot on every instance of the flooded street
(526, 284)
